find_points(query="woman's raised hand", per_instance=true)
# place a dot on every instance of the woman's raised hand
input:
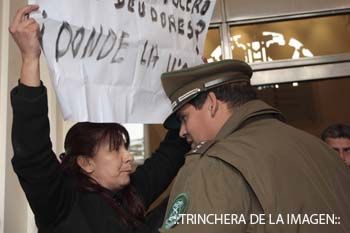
(26, 33)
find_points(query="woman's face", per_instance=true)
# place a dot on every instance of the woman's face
(112, 169)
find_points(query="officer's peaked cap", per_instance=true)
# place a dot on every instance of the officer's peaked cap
(184, 85)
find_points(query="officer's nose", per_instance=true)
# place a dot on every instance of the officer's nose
(182, 132)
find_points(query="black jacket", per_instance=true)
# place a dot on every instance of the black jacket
(57, 205)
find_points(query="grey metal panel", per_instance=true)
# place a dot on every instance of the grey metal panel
(225, 41)
(301, 70)
(217, 16)
(237, 10)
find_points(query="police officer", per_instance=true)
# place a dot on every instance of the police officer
(248, 171)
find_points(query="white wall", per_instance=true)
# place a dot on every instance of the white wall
(15, 211)
(3, 103)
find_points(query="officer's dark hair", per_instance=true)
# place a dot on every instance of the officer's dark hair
(336, 131)
(234, 94)
(85, 139)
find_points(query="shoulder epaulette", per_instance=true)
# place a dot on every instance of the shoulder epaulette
(202, 147)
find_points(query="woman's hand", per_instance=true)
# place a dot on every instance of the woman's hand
(26, 33)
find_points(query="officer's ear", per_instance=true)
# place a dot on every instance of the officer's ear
(213, 103)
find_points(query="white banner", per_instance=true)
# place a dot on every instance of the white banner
(106, 57)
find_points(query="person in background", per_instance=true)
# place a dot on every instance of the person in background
(93, 189)
(337, 136)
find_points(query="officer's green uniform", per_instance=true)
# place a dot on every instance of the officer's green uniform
(257, 165)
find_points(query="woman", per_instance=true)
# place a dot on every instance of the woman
(93, 188)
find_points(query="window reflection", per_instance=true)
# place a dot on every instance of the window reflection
(310, 105)
(261, 50)
(136, 147)
(212, 48)
(291, 39)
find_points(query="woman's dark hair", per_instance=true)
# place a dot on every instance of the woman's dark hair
(85, 139)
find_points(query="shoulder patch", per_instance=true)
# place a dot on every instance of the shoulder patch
(202, 147)
(178, 207)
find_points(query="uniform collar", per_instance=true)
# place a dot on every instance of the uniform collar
(245, 113)
(253, 110)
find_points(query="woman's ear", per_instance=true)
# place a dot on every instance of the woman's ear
(86, 163)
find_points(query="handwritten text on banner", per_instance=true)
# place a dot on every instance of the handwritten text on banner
(106, 57)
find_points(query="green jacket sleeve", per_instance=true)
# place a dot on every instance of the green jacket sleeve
(219, 198)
